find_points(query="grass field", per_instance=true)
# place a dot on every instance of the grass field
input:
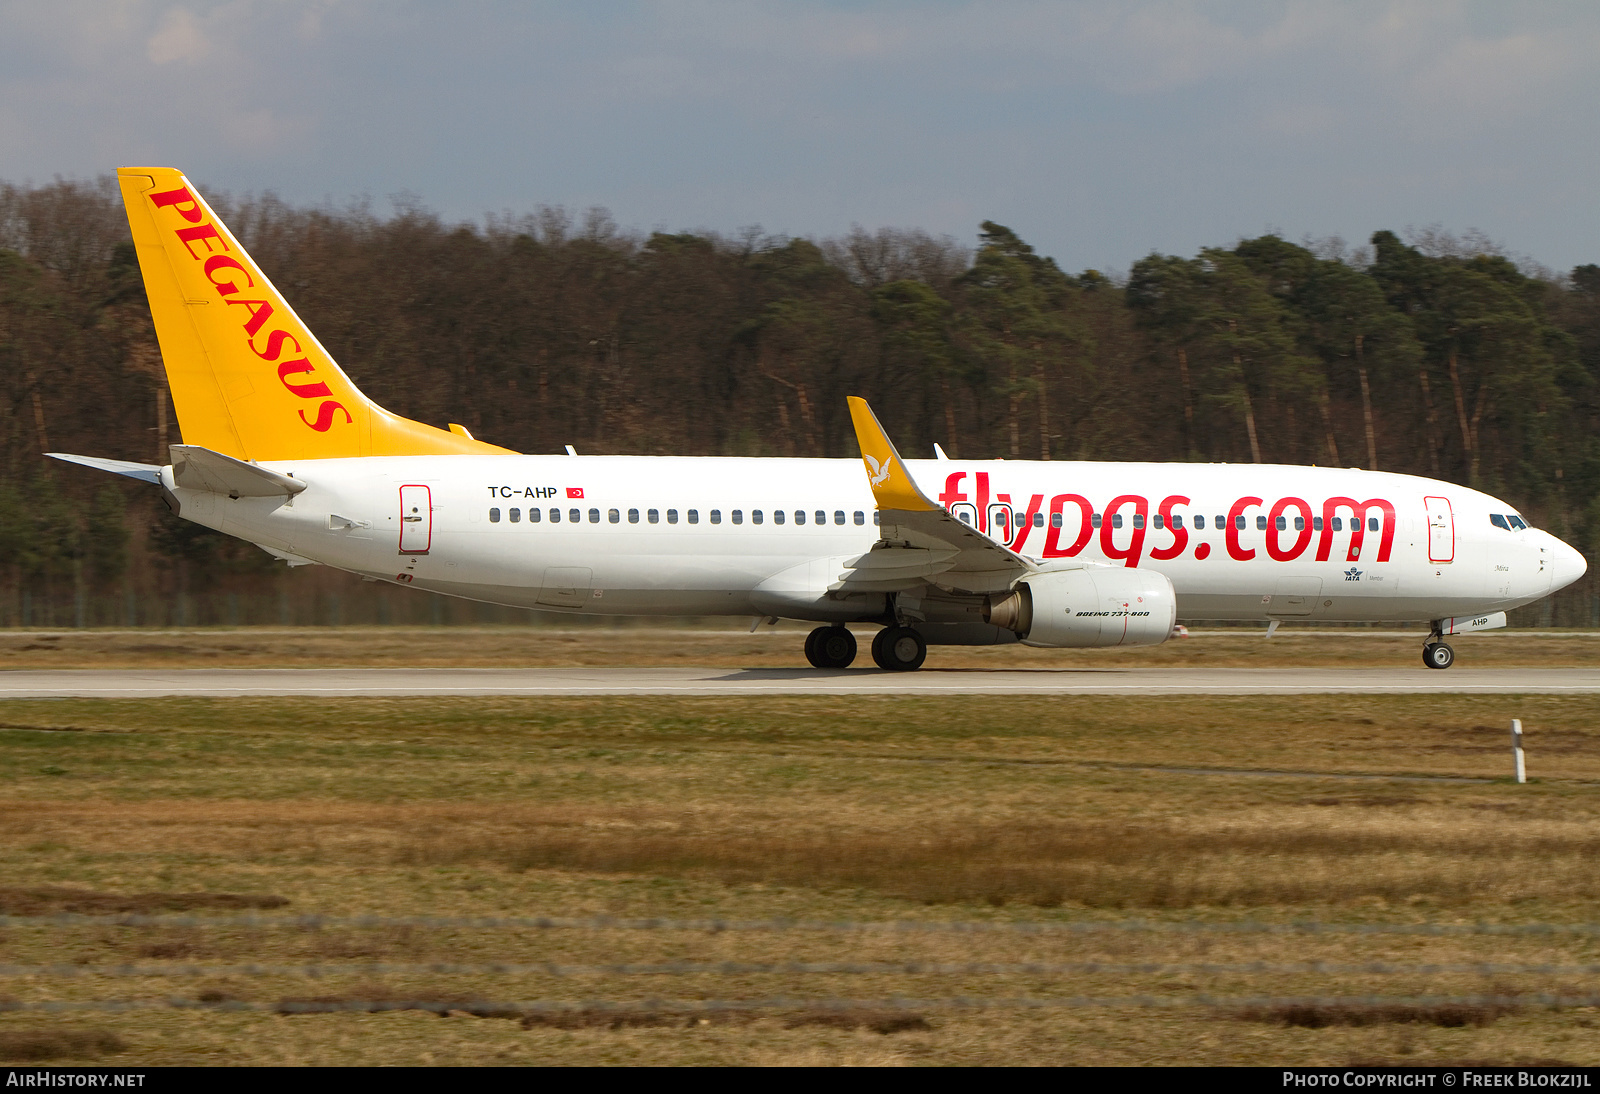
(1348, 810)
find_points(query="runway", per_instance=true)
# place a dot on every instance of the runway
(534, 682)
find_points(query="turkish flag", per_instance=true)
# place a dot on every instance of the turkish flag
(574, 491)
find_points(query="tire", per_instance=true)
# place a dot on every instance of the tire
(899, 649)
(813, 652)
(1438, 655)
(835, 646)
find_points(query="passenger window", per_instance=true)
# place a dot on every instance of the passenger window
(1316, 524)
(515, 515)
(756, 516)
(1338, 524)
(613, 516)
(1177, 520)
(575, 515)
(799, 516)
(964, 518)
(1299, 524)
(1222, 522)
(653, 516)
(716, 516)
(1372, 524)
(533, 516)
(1038, 520)
(838, 516)
(1499, 521)
(1261, 524)
(494, 516)
(875, 518)
(738, 516)
(777, 516)
(633, 516)
(1056, 521)
(672, 516)
(1138, 520)
(1157, 521)
(1282, 523)
(1238, 522)
(820, 517)
(861, 518)
(1095, 520)
(694, 516)
(594, 516)
(1199, 523)
(555, 516)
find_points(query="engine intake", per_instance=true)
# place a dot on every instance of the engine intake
(1088, 607)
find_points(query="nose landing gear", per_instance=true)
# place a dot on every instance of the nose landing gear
(1436, 652)
(830, 648)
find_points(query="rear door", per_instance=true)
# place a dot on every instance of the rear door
(416, 520)
(1441, 530)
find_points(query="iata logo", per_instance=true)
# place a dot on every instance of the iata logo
(1352, 574)
(879, 471)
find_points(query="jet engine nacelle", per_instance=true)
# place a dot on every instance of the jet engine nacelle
(1088, 607)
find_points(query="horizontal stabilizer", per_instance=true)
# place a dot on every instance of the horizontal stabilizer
(195, 468)
(144, 472)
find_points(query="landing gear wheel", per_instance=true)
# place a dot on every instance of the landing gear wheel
(830, 648)
(1437, 655)
(899, 649)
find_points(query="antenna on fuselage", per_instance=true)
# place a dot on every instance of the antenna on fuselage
(571, 451)
(938, 453)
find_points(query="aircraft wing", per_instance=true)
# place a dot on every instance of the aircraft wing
(918, 541)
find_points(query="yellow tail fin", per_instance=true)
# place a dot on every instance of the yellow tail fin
(248, 379)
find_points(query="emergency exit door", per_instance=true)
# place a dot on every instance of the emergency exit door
(416, 520)
(1441, 530)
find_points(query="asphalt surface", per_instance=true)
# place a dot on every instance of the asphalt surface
(151, 683)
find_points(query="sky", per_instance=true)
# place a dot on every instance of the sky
(1100, 132)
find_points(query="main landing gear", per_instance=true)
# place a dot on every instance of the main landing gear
(899, 649)
(830, 648)
(1436, 652)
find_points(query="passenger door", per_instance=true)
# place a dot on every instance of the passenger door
(416, 520)
(1441, 530)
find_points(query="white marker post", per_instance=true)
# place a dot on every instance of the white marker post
(1516, 749)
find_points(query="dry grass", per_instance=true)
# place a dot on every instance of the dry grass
(722, 643)
(37, 1045)
(1352, 809)
(1323, 1015)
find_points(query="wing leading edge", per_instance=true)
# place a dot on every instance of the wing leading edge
(919, 543)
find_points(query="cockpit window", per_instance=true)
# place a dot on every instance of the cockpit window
(1499, 521)
(1517, 523)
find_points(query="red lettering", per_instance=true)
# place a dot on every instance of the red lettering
(952, 486)
(1358, 529)
(275, 342)
(324, 420)
(305, 391)
(983, 501)
(178, 199)
(1135, 546)
(203, 233)
(1180, 536)
(1052, 539)
(260, 312)
(1301, 541)
(1241, 554)
(227, 288)
(1027, 523)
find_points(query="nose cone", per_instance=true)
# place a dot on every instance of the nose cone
(1567, 564)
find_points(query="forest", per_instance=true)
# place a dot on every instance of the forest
(1417, 351)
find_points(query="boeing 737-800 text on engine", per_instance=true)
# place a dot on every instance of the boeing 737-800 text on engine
(281, 449)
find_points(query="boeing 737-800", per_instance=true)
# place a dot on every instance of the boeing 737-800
(282, 450)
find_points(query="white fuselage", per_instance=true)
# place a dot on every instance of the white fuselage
(615, 535)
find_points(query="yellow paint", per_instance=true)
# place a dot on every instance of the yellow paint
(247, 378)
(892, 487)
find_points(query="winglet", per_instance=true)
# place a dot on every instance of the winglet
(892, 486)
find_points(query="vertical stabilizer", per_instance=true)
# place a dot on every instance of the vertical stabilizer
(248, 378)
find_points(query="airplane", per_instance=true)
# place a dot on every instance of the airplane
(282, 450)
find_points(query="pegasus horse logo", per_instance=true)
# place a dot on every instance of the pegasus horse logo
(879, 471)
